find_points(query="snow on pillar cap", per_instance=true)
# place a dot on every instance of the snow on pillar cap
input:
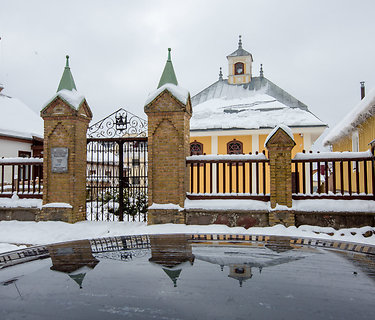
(283, 127)
(181, 94)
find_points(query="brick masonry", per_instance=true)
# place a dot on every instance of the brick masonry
(65, 126)
(280, 147)
(168, 141)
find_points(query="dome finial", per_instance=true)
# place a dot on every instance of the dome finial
(261, 70)
(220, 75)
(169, 54)
(239, 42)
(67, 81)
(168, 75)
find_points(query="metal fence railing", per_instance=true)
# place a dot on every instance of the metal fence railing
(333, 175)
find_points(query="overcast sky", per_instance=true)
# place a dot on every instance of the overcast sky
(316, 50)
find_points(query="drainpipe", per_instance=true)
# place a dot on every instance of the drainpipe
(362, 89)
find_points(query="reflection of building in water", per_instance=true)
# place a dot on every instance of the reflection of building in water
(361, 262)
(74, 258)
(173, 253)
(241, 260)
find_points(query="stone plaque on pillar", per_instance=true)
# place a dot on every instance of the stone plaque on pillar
(59, 159)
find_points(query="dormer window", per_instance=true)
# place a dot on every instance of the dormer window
(239, 68)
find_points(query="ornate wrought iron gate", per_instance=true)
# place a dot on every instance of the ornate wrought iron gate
(117, 168)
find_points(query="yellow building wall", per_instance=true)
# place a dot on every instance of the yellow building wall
(206, 141)
(344, 144)
(223, 140)
(366, 133)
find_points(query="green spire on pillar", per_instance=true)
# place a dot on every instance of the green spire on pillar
(67, 81)
(168, 75)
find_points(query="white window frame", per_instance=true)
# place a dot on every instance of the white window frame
(355, 145)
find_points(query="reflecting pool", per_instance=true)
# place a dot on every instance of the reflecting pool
(188, 277)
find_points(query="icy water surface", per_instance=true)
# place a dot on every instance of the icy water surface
(172, 277)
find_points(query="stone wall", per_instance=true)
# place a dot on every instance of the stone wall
(335, 220)
(231, 218)
(20, 214)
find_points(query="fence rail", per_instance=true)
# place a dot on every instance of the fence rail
(228, 177)
(334, 175)
(23, 176)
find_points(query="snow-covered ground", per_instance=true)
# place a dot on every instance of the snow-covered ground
(16, 234)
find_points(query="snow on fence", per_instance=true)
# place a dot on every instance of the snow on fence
(229, 176)
(333, 175)
(23, 176)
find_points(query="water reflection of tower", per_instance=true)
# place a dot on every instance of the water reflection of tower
(73, 258)
(173, 253)
(240, 260)
(240, 272)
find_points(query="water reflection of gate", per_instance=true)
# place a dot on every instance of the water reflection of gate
(117, 168)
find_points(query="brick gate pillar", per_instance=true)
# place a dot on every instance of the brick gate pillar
(66, 118)
(169, 112)
(280, 143)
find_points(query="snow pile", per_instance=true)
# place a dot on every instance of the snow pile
(307, 205)
(238, 157)
(39, 233)
(352, 119)
(331, 205)
(178, 92)
(16, 202)
(333, 155)
(57, 205)
(73, 98)
(283, 127)
(21, 160)
(227, 204)
(165, 206)
(18, 120)
(252, 112)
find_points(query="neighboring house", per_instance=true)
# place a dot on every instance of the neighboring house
(356, 133)
(356, 130)
(235, 115)
(21, 129)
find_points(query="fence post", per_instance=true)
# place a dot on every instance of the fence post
(169, 111)
(280, 144)
(66, 118)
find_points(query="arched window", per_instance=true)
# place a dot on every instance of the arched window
(196, 148)
(234, 147)
(239, 68)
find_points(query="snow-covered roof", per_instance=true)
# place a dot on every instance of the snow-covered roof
(253, 112)
(361, 112)
(19, 120)
(181, 94)
(258, 104)
(72, 97)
